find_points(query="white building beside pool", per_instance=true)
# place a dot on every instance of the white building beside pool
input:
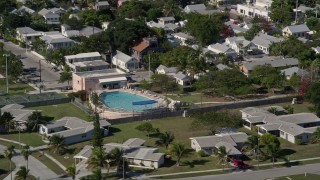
(73, 129)
(294, 128)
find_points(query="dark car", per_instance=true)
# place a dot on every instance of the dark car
(240, 164)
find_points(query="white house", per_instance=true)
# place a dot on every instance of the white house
(183, 38)
(166, 20)
(86, 62)
(222, 49)
(170, 71)
(52, 16)
(134, 152)
(292, 127)
(255, 8)
(264, 41)
(27, 34)
(239, 43)
(232, 141)
(55, 40)
(73, 129)
(194, 8)
(23, 9)
(182, 79)
(125, 62)
(101, 5)
(300, 30)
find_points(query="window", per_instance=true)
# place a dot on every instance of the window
(78, 81)
(84, 135)
(281, 132)
(242, 11)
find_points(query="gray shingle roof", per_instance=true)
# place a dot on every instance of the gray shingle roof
(299, 28)
(181, 76)
(26, 30)
(299, 118)
(265, 40)
(211, 141)
(219, 48)
(271, 60)
(134, 142)
(292, 70)
(195, 7)
(122, 56)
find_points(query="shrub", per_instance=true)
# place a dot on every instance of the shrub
(298, 142)
(201, 153)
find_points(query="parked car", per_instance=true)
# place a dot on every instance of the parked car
(240, 164)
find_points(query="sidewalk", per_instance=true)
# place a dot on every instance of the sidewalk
(216, 170)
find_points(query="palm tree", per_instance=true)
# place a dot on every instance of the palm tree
(316, 136)
(179, 150)
(165, 139)
(8, 153)
(25, 153)
(23, 174)
(272, 150)
(252, 144)
(222, 156)
(34, 120)
(99, 158)
(96, 174)
(56, 143)
(72, 171)
(95, 100)
(116, 158)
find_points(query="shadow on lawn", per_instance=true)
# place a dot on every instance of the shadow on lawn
(192, 163)
(3, 171)
(286, 152)
(113, 130)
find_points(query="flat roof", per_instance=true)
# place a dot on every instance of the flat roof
(83, 55)
(100, 73)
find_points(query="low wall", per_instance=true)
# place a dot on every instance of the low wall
(38, 55)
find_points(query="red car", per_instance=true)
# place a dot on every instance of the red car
(240, 164)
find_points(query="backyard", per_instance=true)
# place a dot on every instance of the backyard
(61, 110)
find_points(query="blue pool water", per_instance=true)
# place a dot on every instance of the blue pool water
(123, 100)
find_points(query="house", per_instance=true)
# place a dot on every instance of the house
(168, 28)
(55, 40)
(316, 49)
(295, 128)
(20, 115)
(302, 11)
(194, 8)
(135, 153)
(170, 71)
(300, 30)
(86, 62)
(255, 8)
(184, 39)
(86, 31)
(239, 44)
(166, 20)
(100, 79)
(182, 79)
(233, 142)
(99, 5)
(148, 44)
(222, 49)
(125, 62)
(73, 129)
(52, 16)
(275, 61)
(23, 9)
(27, 34)
(235, 27)
(294, 70)
(264, 41)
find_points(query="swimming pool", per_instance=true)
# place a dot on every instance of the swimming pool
(123, 100)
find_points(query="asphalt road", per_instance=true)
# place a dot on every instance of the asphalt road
(48, 75)
(263, 174)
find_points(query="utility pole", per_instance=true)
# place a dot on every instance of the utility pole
(123, 168)
(149, 68)
(40, 75)
(7, 81)
(296, 21)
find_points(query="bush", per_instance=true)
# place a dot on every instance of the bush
(201, 153)
(80, 94)
(298, 142)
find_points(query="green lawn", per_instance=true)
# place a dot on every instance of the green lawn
(5, 167)
(15, 88)
(49, 163)
(61, 110)
(31, 139)
(300, 177)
